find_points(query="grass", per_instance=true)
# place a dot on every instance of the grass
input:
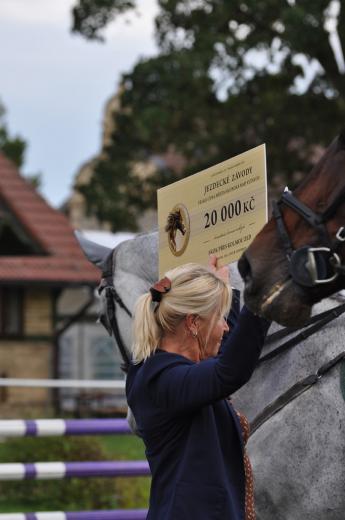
(131, 492)
(127, 447)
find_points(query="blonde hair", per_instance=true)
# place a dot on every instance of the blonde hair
(194, 290)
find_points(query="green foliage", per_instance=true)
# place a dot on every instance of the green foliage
(229, 76)
(90, 16)
(12, 147)
(67, 494)
(35, 180)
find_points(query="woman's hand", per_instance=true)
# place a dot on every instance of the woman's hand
(222, 272)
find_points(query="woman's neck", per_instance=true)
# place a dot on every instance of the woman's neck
(186, 346)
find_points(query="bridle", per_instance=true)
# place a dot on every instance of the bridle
(312, 266)
(109, 318)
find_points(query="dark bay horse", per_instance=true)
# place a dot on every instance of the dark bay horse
(298, 258)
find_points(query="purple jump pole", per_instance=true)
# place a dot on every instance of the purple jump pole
(107, 469)
(134, 514)
(97, 427)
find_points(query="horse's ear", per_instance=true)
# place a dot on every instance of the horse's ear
(95, 253)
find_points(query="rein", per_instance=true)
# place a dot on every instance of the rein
(315, 324)
(293, 392)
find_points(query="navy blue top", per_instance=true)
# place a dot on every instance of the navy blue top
(192, 434)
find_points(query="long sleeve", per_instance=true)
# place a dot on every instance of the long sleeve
(180, 385)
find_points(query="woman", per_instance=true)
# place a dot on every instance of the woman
(177, 389)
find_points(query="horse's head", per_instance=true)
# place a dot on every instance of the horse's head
(175, 222)
(296, 260)
(126, 272)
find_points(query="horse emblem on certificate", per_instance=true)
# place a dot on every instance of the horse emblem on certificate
(178, 229)
(218, 210)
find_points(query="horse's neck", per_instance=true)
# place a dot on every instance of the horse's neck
(137, 259)
(274, 377)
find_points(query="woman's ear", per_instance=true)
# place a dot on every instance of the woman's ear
(191, 324)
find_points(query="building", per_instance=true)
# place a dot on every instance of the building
(46, 287)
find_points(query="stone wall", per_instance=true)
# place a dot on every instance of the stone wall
(29, 357)
(38, 312)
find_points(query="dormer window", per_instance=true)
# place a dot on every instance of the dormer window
(10, 243)
(14, 240)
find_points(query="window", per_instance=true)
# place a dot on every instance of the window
(105, 358)
(11, 311)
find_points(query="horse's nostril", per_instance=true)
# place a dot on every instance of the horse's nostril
(244, 268)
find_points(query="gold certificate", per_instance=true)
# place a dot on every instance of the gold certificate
(218, 210)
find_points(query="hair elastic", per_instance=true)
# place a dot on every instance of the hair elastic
(159, 288)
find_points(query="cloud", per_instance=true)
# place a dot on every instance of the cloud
(35, 11)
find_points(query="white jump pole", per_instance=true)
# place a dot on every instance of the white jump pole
(64, 383)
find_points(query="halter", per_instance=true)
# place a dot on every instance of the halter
(311, 266)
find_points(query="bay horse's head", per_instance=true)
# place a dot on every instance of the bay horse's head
(175, 222)
(298, 257)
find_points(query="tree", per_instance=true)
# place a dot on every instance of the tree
(12, 147)
(90, 16)
(229, 76)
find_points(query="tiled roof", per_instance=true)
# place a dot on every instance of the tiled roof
(64, 261)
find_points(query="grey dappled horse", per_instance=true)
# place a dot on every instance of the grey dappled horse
(298, 454)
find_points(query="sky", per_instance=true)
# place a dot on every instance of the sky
(54, 84)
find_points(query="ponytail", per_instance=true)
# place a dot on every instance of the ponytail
(147, 333)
